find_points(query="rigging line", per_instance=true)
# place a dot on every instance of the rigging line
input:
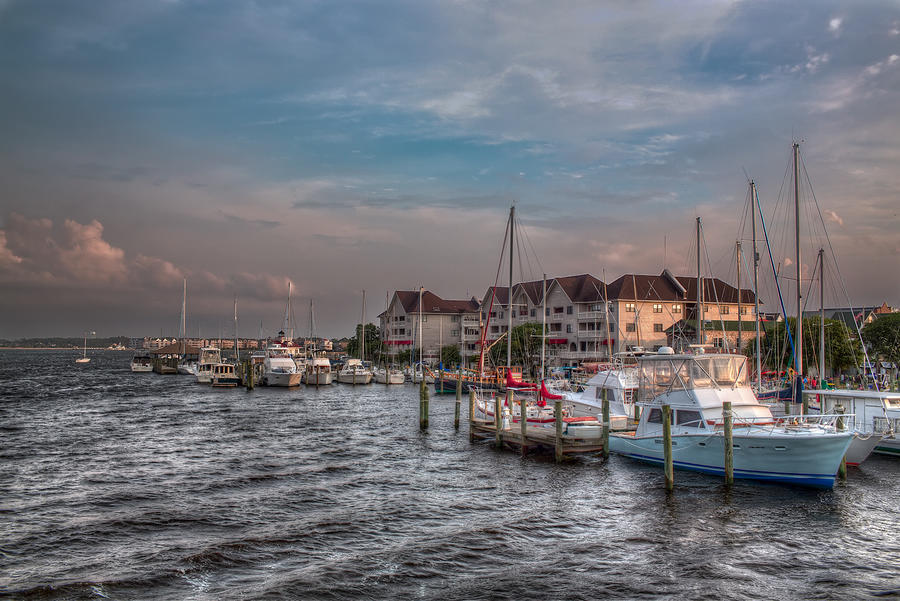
(772, 262)
(840, 277)
(715, 291)
(537, 258)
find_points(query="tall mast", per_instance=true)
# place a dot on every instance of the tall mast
(183, 308)
(740, 340)
(699, 290)
(755, 284)
(543, 323)
(289, 315)
(821, 316)
(798, 337)
(421, 350)
(237, 355)
(606, 318)
(509, 292)
(362, 331)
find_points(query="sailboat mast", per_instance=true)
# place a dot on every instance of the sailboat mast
(237, 355)
(740, 340)
(606, 319)
(543, 323)
(421, 350)
(699, 290)
(755, 284)
(362, 331)
(821, 316)
(183, 308)
(798, 337)
(509, 292)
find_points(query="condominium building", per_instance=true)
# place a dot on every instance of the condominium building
(439, 323)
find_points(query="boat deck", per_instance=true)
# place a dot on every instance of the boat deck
(536, 438)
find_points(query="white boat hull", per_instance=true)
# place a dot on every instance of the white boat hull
(282, 379)
(322, 378)
(807, 460)
(390, 378)
(141, 369)
(355, 378)
(861, 447)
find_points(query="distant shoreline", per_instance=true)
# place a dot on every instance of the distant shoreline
(57, 348)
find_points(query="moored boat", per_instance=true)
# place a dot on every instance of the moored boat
(141, 363)
(797, 450)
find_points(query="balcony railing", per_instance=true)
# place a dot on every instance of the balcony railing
(591, 315)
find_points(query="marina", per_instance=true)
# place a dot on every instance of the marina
(127, 485)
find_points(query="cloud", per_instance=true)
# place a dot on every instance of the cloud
(832, 216)
(834, 25)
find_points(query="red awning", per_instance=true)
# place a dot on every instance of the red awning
(557, 341)
(607, 342)
(398, 341)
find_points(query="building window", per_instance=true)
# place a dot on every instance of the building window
(657, 308)
(657, 327)
(558, 310)
(744, 310)
(454, 332)
(493, 314)
(424, 318)
(495, 329)
(629, 327)
(596, 307)
(568, 328)
(676, 308)
(629, 307)
(556, 327)
(532, 313)
(513, 314)
(569, 310)
(706, 308)
(547, 311)
(726, 310)
(402, 318)
(454, 318)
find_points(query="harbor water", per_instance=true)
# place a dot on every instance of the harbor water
(116, 485)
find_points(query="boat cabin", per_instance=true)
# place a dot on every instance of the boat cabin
(695, 387)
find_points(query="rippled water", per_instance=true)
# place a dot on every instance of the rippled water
(139, 486)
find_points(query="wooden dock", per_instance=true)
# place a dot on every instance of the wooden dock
(536, 438)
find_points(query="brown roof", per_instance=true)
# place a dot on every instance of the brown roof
(432, 303)
(582, 288)
(662, 287)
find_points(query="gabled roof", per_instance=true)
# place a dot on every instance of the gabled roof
(662, 287)
(432, 303)
(501, 295)
(582, 288)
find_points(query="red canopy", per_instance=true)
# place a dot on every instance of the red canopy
(513, 383)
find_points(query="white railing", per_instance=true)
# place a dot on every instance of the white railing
(591, 315)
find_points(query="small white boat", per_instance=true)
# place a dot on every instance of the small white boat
(187, 368)
(354, 372)
(210, 356)
(619, 381)
(141, 363)
(794, 449)
(84, 358)
(224, 375)
(874, 419)
(279, 369)
(318, 372)
(389, 376)
(414, 374)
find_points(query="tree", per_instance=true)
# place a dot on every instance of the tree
(373, 342)
(842, 350)
(526, 347)
(882, 337)
(450, 355)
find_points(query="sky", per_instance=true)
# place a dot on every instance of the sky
(350, 146)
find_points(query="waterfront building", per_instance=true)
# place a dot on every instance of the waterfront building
(444, 322)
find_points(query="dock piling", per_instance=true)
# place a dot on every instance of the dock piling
(458, 400)
(498, 422)
(523, 421)
(471, 415)
(842, 470)
(423, 405)
(557, 412)
(667, 447)
(605, 425)
(729, 443)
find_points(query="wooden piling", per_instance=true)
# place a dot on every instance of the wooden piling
(605, 424)
(729, 443)
(471, 415)
(557, 412)
(637, 414)
(523, 422)
(667, 447)
(498, 422)
(458, 400)
(842, 470)
(423, 405)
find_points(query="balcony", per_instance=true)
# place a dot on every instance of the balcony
(591, 334)
(599, 315)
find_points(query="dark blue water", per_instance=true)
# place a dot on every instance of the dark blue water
(138, 486)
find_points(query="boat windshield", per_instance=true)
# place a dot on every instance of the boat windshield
(658, 376)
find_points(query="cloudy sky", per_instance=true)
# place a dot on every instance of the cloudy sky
(379, 145)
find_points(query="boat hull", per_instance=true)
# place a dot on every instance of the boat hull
(861, 447)
(804, 460)
(322, 378)
(286, 380)
(354, 378)
(142, 369)
(889, 445)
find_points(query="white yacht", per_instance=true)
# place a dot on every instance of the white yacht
(279, 368)
(318, 372)
(384, 375)
(873, 417)
(224, 375)
(141, 363)
(619, 380)
(209, 357)
(354, 372)
(796, 450)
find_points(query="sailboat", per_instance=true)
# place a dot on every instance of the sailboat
(355, 371)
(186, 366)
(84, 358)
(318, 366)
(280, 366)
(224, 374)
